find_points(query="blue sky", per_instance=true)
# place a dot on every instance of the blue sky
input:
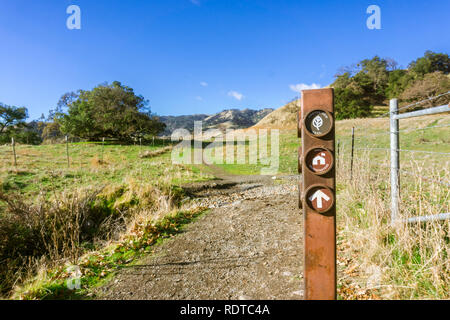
(202, 56)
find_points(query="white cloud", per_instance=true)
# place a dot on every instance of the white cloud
(204, 84)
(236, 95)
(303, 86)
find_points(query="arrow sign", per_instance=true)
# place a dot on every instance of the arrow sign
(320, 199)
(319, 195)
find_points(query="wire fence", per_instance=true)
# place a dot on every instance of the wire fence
(415, 104)
(69, 154)
(361, 141)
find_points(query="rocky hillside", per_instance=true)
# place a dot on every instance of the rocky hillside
(227, 119)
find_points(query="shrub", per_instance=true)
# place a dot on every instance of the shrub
(350, 104)
(64, 227)
(431, 85)
(54, 229)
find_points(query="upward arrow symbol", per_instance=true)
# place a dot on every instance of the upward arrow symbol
(319, 196)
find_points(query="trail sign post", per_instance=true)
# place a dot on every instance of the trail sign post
(317, 193)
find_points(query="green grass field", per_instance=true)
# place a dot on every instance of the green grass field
(44, 168)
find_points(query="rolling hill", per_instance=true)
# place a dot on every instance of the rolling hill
(282, 118)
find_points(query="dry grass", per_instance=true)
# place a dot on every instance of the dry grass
(407, 261)
(284, 118)
(148, 214)
(152, 154)
(45, 232)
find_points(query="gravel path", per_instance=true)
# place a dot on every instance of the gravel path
(247, 247)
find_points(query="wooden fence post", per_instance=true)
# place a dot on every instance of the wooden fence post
(13, 143)
(353, 148)
(337, 153)
(103, 147)
(67, 151)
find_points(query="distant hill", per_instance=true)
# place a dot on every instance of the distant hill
(184, 122)
(282, 118)
(227, 119)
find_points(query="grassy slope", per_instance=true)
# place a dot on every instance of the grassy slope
(98, 267)
(409, 261)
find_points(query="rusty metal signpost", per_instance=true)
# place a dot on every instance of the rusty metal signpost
(318, 193)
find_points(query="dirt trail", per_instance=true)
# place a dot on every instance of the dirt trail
(247, 247)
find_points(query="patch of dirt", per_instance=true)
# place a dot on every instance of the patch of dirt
(249, 246)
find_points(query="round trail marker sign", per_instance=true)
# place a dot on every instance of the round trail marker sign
(320, 198)
(319, 123)
(319, 160)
